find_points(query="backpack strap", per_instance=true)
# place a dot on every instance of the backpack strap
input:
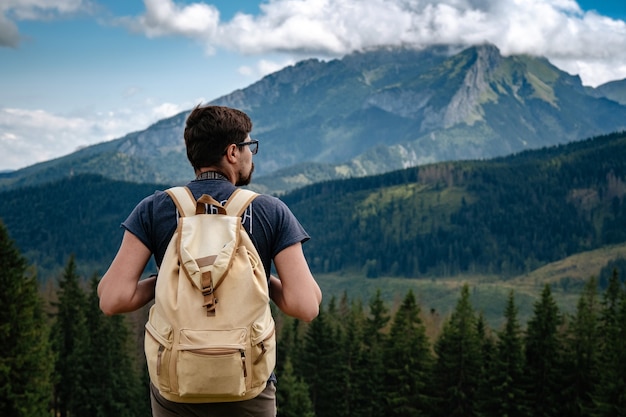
(239, 201)
(184, 200)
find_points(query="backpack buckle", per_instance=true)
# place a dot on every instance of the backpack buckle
(209, 299)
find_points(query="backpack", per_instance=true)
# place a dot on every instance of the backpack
(210, 333)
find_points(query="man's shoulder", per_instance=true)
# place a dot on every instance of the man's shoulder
(268, 200)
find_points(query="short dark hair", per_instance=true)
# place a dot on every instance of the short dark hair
(210, 129)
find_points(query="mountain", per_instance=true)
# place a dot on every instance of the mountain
(368, 113)
(501, 217)
(614, 90)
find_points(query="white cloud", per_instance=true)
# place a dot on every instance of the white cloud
(264, 67)
(165, 17)
(16, 10)
(588, 43)
(165, 110)
(31, 136)
(557, 29)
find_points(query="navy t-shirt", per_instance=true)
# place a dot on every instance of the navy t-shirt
(269, 222)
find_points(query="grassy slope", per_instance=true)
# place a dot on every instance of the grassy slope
(438, 297)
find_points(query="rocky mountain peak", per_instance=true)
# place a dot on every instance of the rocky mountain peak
(464, 106)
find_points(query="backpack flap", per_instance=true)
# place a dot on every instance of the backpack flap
(207, 244)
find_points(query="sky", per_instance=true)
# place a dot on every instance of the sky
(78, 72)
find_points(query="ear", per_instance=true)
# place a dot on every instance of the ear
(231, 153)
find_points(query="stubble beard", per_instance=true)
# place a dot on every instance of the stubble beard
(245, 179)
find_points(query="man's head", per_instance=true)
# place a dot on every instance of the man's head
(210, 131)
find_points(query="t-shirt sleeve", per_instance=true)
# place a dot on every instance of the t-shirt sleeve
(287, 230)
(151, 222)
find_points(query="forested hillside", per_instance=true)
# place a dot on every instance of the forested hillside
(503, 216)
(80, 216)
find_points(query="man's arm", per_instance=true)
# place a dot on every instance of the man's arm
(296, 293)
(120, 289)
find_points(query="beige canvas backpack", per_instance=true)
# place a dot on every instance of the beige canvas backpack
(210, 333)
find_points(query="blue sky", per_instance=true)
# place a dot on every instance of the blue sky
(79, 72)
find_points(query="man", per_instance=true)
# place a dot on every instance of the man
(220, 150)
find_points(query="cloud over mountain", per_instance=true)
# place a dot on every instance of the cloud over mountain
(579, 42)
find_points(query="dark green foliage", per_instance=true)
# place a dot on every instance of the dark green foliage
(96, 374)
(458, 367)
(606, 274)
(488, 358)
(25, 370)
(582, 350)
(70, 340)
(504, 216)
(320, 367)
(77, 217)
(372, 362)
(503, 391)
(609, 394)
(544, 361)
(556, 367)
(407, 363)
(292, 395)
(113, 387)
(347, 362)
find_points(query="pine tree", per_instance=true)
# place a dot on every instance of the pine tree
(504, 391)
(338, 374)
(111, 374)
(408, 362)
(487, 354)
(371, 371)
(320, 364)
(457, 372)
(70, 343)
(357, 361)
(609, 395)
(544, 358)
(582, 350)
(25, 370)
(293, 394)
(288, 346)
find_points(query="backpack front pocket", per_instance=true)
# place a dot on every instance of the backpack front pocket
(204, 369)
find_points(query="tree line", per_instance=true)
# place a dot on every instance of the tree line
(353, 360)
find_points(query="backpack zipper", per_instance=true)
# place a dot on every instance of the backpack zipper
(261, 345)
(223, 352)
(159, 356)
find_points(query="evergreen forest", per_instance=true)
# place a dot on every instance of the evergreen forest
(504, 216)
(63, 357)
(501, 217)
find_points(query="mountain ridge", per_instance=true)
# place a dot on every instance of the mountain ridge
(371, 112)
